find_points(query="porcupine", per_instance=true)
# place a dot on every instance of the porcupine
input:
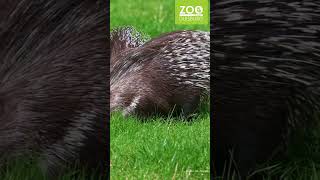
(266, 77)
(53, 83)
(166, 73)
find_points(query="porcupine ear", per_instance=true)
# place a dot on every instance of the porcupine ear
(125, 38)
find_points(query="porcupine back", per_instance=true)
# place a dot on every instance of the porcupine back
(266, 75)
(53, 90)
(171, 71)
(122, 39)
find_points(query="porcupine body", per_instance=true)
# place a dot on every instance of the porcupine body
(53, 90)
(266, 76)
(166, 73)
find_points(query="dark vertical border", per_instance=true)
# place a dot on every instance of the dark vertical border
(213, 122)
(108, 88)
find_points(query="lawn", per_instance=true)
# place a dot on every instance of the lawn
(161, 147)
(151, 17)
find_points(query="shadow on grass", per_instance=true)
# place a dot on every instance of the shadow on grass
(172, 117)
(301, 160)
(26, 168)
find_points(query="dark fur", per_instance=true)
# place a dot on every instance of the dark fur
(266, 75)
(152, 78)
(53, 82)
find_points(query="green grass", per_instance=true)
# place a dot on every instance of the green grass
(152, 17)
(160, 148)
